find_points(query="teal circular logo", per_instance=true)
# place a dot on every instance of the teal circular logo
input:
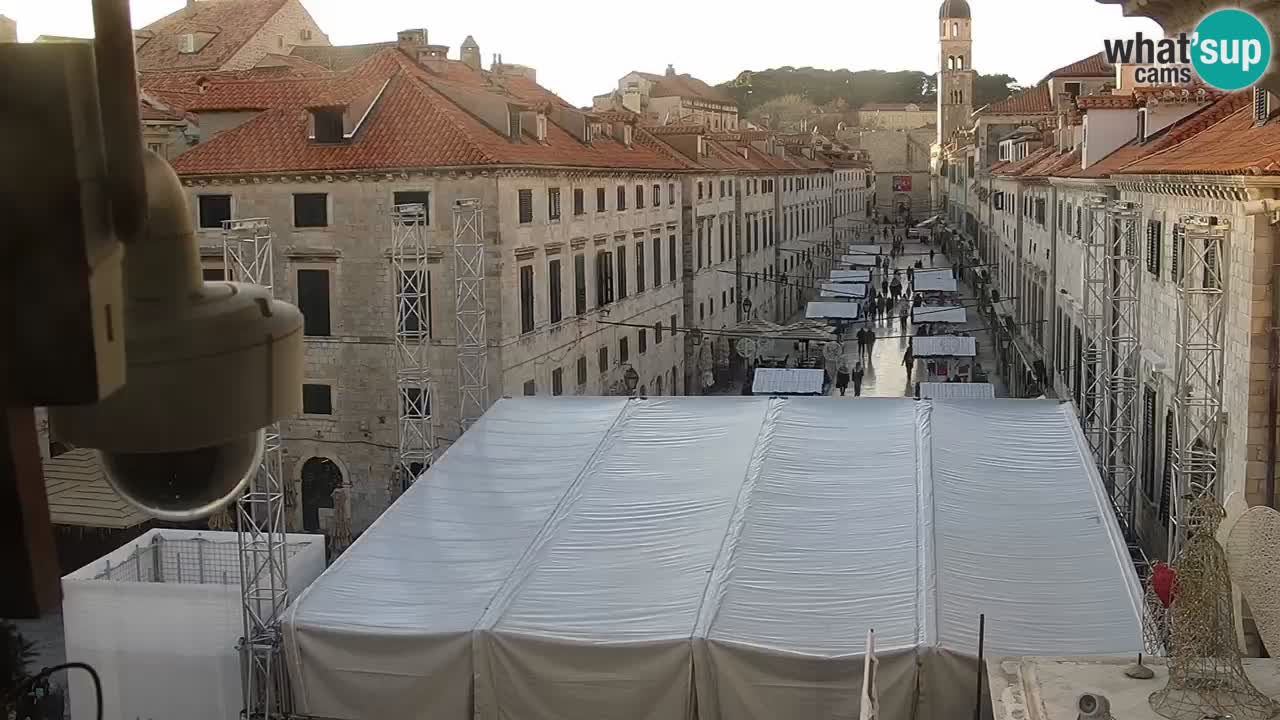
(1232, 49)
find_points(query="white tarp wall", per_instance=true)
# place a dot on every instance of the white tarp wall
(159, 618)
(580, 558)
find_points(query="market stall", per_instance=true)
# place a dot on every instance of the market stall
(848, 276)
(955, 391)
(945, 357)
(843, 290)
(788, 381)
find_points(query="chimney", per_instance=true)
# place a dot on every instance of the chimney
(671, 70)
(433, 57)
(470, 55)
(410, 41)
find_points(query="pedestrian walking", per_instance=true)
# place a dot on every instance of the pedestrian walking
(862, 341)
(895, 289)
(857, 380)
(955, 270)
(930, 257)
(884, 287)
(911, 276)
(909, 359)
(842, 378)
(871, 343)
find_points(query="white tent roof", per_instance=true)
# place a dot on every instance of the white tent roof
(787, 381)
(944, 346)
(844, 290)
(605, 557)
(957, 391)
(837, 309)
(866, 260)
(858, 249)
(848, 276)
(941, 314)
(933, 281)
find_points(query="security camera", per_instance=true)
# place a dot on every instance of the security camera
(209, 365)
(1093, 706)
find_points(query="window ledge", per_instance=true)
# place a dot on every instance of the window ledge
(312, 253)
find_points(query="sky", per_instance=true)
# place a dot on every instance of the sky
(581, 49)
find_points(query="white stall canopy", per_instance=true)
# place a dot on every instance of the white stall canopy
(787, 381)
(859, 260)
(585, 558)
(834, 310)
(847, 291)
(848, 276)
(957, 391)
(866, 250)
(944, 346)
(940, 314)
(934, 281)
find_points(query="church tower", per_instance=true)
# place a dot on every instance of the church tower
(955, 72)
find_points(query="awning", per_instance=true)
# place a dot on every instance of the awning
(851, 276)
(866, 250)
(940, 314)
(957, 391)
(835, 310)
(944, 346)
(933, 281)
(843, 290)
(787, 381)
(930, 222)
(859, 260)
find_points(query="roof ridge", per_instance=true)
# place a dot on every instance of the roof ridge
(1174, 141)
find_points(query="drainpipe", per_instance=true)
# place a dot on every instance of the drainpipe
(1262, 207)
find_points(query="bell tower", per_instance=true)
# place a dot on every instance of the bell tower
(956, 76)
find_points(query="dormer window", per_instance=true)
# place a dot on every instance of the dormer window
(1072, 89)
(186, 43)
(305, 33)
(1142, 125)
(328, 125)
(542, 127)
(1261, 106)
(626, 135)
(513, 124)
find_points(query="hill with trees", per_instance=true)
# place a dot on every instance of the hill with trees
(788, 93)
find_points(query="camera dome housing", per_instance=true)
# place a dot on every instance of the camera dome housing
(209, 364)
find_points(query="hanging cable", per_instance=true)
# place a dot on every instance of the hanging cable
(46, 672)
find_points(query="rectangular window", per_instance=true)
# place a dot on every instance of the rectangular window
(553, 204)
(554, 290)
(622, 198)
(600, 206)
(525, 197)
(671, 193)
(579, 284)
(582, 370)
(671, 257)
(313, 301)
(657, 333)
(657, 195)
(213, 274)
(310, 210)
(214, 210)
(642, 346)
(604, 278)
(317, 399)
(1149, 443)
(624, 353)
(657, 261)
(721, 242)
(579, 203)
(530, 388)
(602, 359)
(414, 403)
(639, 197)
(415, 302)
(1155, 246)
(557, 381)
(526, 299)
(622, 271)
(699, 189)
(414, 197)
(640, 267)
(699, 265)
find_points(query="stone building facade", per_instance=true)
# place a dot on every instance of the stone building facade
(671, 98)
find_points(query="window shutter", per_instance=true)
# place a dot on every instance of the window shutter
(1149, 442)
(1167, 490)
(1175, 266)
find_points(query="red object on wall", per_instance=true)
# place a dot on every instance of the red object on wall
(902, 183)
(1165, 582)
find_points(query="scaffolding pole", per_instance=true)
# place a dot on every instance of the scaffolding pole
(473, 343)
(1093, 411)
(1200, 243)
(260, 514)
(416, 432)
(1124, 346)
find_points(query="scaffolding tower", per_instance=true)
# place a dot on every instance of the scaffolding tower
(1093, 410)
(417, 441)
(1199, 242)
(1123, 349)
(472, 343)
(260, 514)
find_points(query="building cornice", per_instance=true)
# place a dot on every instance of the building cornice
(1211, 187)
(195, 180)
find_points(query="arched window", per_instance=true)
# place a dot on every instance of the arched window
(320, 477)
(960, 63)
(955, 29)
(951, 62)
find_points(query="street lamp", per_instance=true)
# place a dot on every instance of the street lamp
(631, 379)
(746, 304)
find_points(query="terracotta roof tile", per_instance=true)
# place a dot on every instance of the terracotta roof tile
(232, 23)
(339, 57)
(413, 124)
(1107, 102)
(1092, 66)
(1032, 101)
(1221, 140)
(1018, 168)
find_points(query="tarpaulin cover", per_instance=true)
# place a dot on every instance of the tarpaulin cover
(941, 314)
(851, 276)
(933, 281)
(844, 290)
(586, 558)
(957, 391)
(944, 346)
(787, 381)
(833, 309)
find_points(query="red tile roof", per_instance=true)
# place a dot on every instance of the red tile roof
(339, 57)
(685, 86)
(412, 125)
(1092, 66)
(1107, 102)
(1032, 101)
(232, 22)
(1219, 140)
(1017, 168)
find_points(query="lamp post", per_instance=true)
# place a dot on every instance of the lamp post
(746, 306)
(630, 379)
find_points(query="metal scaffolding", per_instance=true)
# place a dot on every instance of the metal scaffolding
(260, 516)
(473, 343)
(1198, 420)
(417, 441)
(1093, 411)
(1124, 348)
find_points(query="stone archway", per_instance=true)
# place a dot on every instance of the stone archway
(320, 477)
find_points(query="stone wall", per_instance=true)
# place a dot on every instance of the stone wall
(280, 34)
